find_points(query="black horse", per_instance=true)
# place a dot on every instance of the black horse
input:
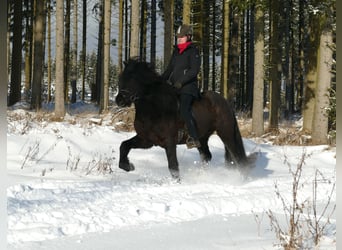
(157, 121)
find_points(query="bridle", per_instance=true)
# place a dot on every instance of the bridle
(125, 93)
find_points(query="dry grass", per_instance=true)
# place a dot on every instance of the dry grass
(288, 133)
(122, 119)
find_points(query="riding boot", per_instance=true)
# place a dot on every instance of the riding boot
(192, 141)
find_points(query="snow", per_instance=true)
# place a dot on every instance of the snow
(65, 191)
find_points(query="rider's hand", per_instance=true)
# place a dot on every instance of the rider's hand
(178, 85)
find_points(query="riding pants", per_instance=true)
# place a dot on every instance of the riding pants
(186, 114)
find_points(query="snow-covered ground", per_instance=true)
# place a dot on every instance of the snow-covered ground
(66, 192)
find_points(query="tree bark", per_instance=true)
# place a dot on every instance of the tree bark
(311, 73)
(213, 56)
(324, 62)
(258, 98)
(134, 43)
(67, 49)
(120, 38)
(143, 30)
(28, 49)
(38, 56)
(49, 49)
(205, 45)
(96, 93)
(186, 11)
(74, 75)
(15, 86)
(234, 55)
(106, 56)
(168, 30)
(153, 32)
(84, 46)
(225, 46)
(275, 68)
(59, 95)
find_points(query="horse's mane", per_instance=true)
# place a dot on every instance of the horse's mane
(143, 71)
(156, 90)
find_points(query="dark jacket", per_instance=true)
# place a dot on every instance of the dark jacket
(184, 68)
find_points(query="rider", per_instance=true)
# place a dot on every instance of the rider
(182, 72)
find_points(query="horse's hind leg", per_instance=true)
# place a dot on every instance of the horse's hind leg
(204, 150)
(126, 146)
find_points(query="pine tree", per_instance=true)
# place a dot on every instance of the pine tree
(59, 95)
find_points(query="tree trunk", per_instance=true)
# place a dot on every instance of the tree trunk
(15, 87)
(205, 45)
(234, 54)
(49, 49)
(250, 60)
(67, 49)
(324, 62)
(168, 30)
(120, 38)
(38, 56)
(311, 74)
(258, 99)
(9, 10)
(143, 29)
(225, 46)
(126, 31)
(59, 95)
(96, 94)
(275, 67)
(288, 61)
(241, 85)
(153, 32)
(300, 60)
(74, 75)
(28, 49)
(84, 47)
(213, 56)
(186, 11)
(106, 56)
(134, 43)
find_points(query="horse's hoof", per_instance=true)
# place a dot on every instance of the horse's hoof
(175, 176)
(127, 166)
(231, 165)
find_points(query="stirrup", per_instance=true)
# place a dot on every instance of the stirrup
(192, 143)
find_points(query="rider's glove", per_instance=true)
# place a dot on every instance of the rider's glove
(178, 85)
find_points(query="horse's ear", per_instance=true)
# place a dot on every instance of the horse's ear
(125, 63)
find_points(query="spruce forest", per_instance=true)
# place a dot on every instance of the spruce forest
(274, 60)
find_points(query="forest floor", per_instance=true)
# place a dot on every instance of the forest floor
(290, 131)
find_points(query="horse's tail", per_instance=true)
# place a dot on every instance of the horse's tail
(241, 153)
(227, 128)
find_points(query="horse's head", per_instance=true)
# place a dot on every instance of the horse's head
(134, 81)
(129, 88)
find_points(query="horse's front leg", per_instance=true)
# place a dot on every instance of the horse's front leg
(126, 146)
(171, 154)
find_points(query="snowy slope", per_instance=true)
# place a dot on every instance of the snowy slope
(57, 199)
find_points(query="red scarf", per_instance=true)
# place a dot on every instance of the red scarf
(183, 46)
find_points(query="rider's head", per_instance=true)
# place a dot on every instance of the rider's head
(184, 33)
